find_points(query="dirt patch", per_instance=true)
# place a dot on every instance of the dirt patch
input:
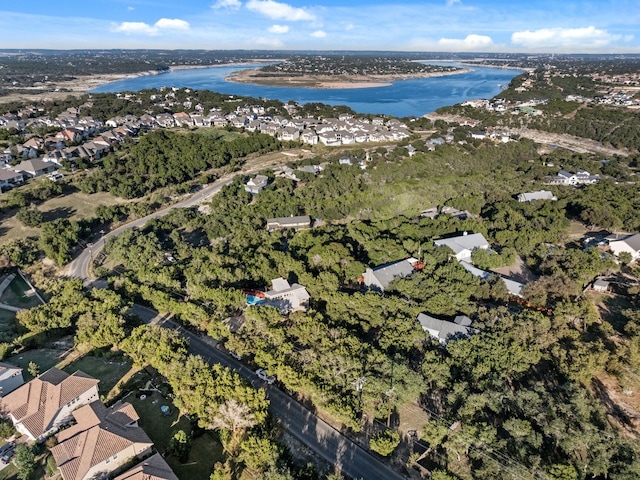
(518, 271)
(622, 403)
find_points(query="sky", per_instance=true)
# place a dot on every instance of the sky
(526, 26)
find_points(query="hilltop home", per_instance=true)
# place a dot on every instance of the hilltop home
(280, 223)
(101, 441)
(35, 167)
(625, 243)
(256, 184)
(40, 407)
(539, 195)
(10, 178)
(444, 330)
(379, 278)
(287, 298)
(463, 245)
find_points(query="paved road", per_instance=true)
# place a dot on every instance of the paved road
(80, 266)
(318, 435)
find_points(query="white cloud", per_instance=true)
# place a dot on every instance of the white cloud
(135, 28)
(586, 38)
(349, 26)
(141, 28)
(131, 9)
(172, 23)
(230, 4)
(319, 34)
(279, 11)
(451, 3)
(469, 43)
(269, 42)
(278, 29)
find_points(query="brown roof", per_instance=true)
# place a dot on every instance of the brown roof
(36, 404)
(99, 433)
(153, 468)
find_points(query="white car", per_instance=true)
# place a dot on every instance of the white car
(235, 355)
(262, 375)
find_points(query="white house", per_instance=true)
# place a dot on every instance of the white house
(464, 244)
(40, 407)
(539, 195)
(626, 243)
(256, 184)
(287, 298)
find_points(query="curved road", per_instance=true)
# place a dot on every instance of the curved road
(319, 436)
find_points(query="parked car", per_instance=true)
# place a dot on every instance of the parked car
(235, 355)
(262, 375)
(6, 447)
(7, 456)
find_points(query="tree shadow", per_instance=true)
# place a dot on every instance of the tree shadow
(57, 213)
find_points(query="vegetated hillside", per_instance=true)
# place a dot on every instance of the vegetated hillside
(520, 392)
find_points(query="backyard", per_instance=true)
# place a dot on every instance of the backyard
(205, 448)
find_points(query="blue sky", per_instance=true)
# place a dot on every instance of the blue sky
(536, 26)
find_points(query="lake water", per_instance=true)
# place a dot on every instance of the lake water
(414, 97)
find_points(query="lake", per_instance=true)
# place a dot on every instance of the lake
(404, 98)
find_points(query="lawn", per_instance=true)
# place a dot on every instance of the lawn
(205, 450)
(45, 358)
(16, 294)
(108, 371)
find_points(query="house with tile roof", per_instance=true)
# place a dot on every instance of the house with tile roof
(40, 407)
(152, 468)
(100, 442)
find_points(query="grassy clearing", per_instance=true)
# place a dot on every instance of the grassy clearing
(108, 371)
(8, 326)
(610, 308)
(74, 206)
(45, 358)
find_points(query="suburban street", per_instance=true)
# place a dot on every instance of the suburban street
(318, 435)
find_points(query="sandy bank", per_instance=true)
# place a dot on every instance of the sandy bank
(255, 77)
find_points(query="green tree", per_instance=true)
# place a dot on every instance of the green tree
(25, 461)
(180, 445)
(30, 217)
(33, 369)
(384, 443)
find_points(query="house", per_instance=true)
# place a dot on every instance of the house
(581, 177)
(10, 378)
(600, 285)
(625, 243)
(285, 297)
(40, 407)
(514, 288)
(379, 278)
(256, 184)
(455, 213)
(102, 440)
(10, 178)
(444, 330)
(539, 195)
(35, 167)
(152, 468)
(464, 244)
(297, 222)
